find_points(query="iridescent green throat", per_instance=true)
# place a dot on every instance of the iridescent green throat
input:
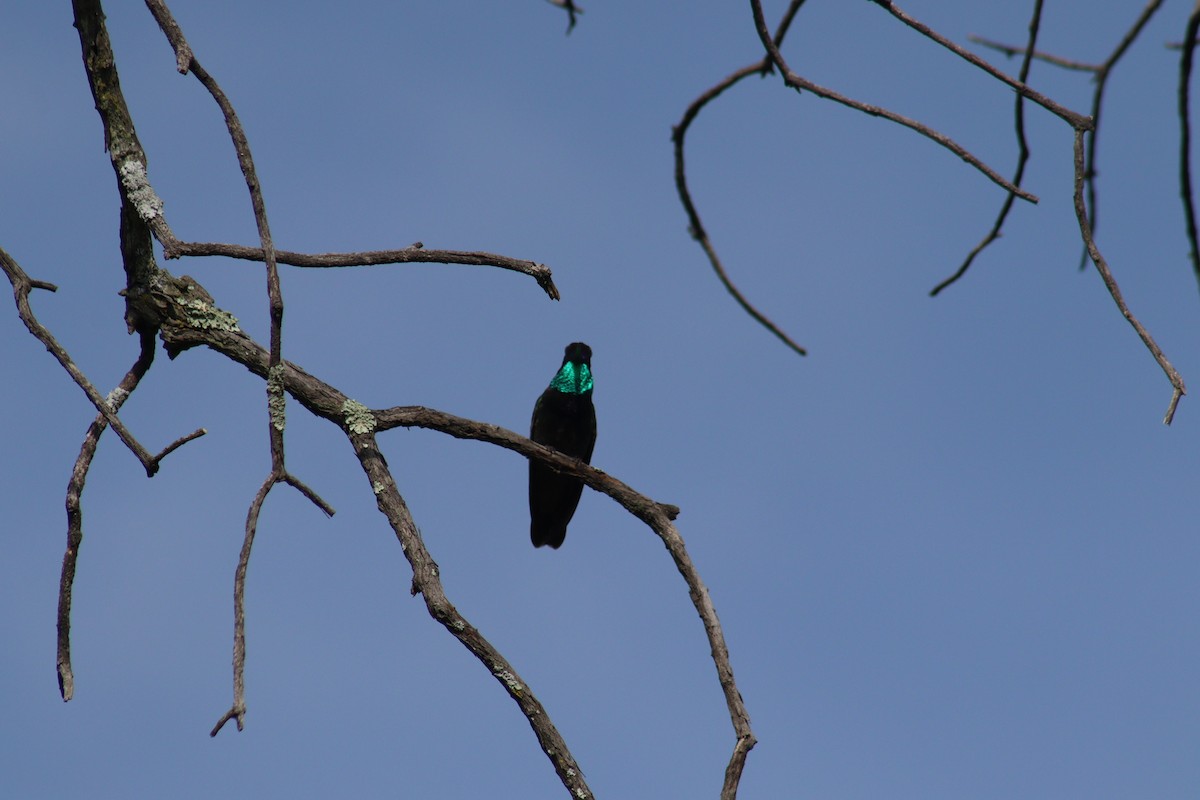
(573, 379)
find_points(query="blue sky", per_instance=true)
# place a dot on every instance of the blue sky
(954, 549)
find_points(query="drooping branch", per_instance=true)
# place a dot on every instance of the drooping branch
(1111, 284)
(695, 226)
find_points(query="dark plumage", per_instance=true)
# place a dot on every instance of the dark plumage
(565, 419)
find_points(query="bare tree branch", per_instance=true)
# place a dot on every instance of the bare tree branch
(1102, 72)
(22, 285)
(1049, 58)
(695, 226)
(1097, 101)
(276, 399)
(237, 711)
(116, 398)
(1074, 119)
(1022, 158)
(1110, 282)
(362, 424)
(427, 582)
(413, 254)
(796, 82)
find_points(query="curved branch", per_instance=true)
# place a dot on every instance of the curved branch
(695, 227)
(656, 515)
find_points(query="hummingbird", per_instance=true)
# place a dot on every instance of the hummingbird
(564, 419)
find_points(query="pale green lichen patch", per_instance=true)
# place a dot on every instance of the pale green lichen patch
(359, 418)
(509, 679)
(276, 401)
(205, 316)
(377, 487)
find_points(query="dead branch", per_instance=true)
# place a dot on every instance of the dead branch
(413, 254)
(1022, 158)
(362, 424)
(802, 84)
(695, 226)
(1111, 284)
(87, 451)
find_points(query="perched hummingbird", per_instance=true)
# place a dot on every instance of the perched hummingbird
(564, 419)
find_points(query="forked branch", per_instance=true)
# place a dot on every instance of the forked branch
(363, 424)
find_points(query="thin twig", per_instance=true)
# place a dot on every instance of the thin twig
(21, 288)
(178, 443)
(1073, 118)
(1102, 73)
(91, 439)
(276, 400)
(237, 711)
(413, 254)
(1049, 58)
(1110, 282)
(307, 491)
(802, 84)
(1022, 157)
(695, 227)
(1097, 101)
